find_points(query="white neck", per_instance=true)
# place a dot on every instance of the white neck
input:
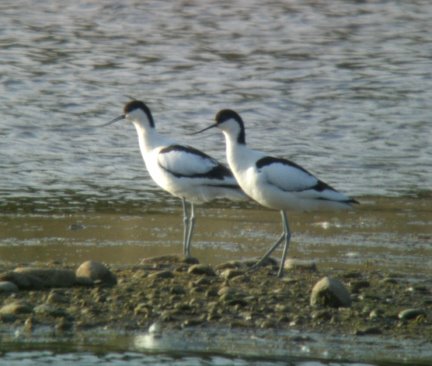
(236, 154)
(239, 156)
(148, 137)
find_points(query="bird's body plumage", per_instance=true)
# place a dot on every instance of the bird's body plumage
(274, 182)
(181, 170)
(184, 171)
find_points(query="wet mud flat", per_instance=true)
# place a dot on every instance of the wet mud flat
(170, 292)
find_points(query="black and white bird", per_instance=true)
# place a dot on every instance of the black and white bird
(181, 170)
(274, 182)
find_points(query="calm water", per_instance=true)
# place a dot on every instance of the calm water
(341, 87)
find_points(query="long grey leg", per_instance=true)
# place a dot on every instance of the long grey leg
(190, 230)
(268, 253)
(287, 236)
(185, 226)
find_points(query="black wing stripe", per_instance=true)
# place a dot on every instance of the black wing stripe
(218, 172)
(268, 160)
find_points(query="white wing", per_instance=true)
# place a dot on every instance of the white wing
(290, 177)
(185, 161)
(285, 175)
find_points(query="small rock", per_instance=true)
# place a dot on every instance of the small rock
(55, 297)
(330, 292)
(231, 296)
(90, 272)
(231, 273)
(6, 286)
(227, 290)
(162, 274)
(321, 315)
(201, 269)
(17, 307)
(49, 277)
(409, 314)
(46, 309)
(235, 264)
(22, 280)
(375, 314)
(299, 264)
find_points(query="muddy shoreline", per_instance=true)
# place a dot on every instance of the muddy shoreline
(172, 293)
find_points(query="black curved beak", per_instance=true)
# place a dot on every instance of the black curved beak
(113, 121)
(204, 129)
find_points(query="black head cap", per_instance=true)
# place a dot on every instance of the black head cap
(227, 114)
(137, 104)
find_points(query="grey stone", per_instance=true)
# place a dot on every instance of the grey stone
(300, 264)
(90, 273)
(50, 277)
(229, 273)
(47, 309)
(408, 314)
(330, 292)
(30, 278)
(162, 274)
(16, 307)
(7, 286)
(201, 269)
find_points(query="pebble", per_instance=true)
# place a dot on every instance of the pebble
(300, 264)
(90, 272)
(409, 314)
(330, 292)
(202, 269)
(231, 273)
(16, 307)
(50, 277)
(162, 274)
(22, 280)
(47, 309)
(57, 297)
(6, 286)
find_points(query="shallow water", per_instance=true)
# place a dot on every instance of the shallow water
(342, 88)
(216, 348)
(393, 234)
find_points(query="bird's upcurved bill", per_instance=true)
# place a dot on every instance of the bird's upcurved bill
(112, 121)
(204, 129)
